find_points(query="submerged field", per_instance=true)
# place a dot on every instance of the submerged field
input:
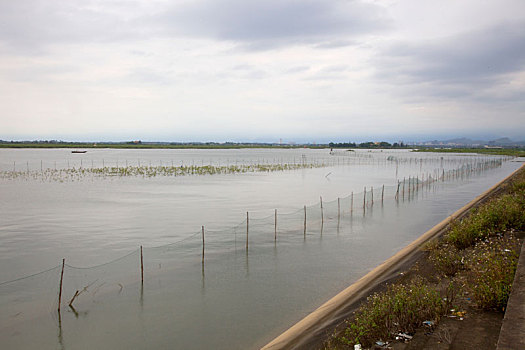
(277, 244)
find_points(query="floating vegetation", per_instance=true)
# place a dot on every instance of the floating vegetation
(72, 174)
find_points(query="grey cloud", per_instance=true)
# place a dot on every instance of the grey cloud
(267, 24)
(31, 25)
(457, 66)
(335, 44)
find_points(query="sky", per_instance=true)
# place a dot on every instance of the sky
(263, 71)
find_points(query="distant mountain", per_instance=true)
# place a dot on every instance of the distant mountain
(466, 142)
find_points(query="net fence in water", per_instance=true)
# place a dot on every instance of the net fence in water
(80, 289)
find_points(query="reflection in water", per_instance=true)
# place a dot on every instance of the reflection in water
(60, 337)
(246, 296)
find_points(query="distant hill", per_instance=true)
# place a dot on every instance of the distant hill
(466, 142)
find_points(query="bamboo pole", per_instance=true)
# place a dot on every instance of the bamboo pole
(141, 267)
(382, 194)
(372, 193)
(364, 199)
(338, 208)
(203, 245)
(275, 227)
(60, 290)
(352, 202)
(305, 221)
(247, 225)
(322, 214)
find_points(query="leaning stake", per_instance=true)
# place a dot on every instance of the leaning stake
(61, 280)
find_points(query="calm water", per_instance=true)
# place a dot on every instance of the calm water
(239, 298)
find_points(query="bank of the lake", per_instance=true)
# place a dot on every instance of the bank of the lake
(455, 294)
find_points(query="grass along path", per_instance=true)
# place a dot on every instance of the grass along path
(468, 271)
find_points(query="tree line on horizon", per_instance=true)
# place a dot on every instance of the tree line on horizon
(370, 144)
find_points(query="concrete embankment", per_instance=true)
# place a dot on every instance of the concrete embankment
(309, 330)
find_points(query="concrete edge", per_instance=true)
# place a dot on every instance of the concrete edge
(291, 336)
(512, 333)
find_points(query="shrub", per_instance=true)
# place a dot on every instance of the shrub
(492, 267)
(503, 213)
(447, 259)
(400, 308)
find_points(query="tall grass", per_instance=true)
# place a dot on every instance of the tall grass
(401, 308)
(500, 214)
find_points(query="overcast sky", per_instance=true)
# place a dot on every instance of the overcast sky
(241, 70)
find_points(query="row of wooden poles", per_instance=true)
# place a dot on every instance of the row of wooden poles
(264, 161)
(365, 204)
(247, 238)
(193, 163)
(412, 186)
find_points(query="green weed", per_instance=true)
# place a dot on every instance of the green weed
(401, 308)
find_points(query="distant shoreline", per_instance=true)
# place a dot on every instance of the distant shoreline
(92, 145)
(517, 152)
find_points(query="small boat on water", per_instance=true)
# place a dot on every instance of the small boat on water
(78, 151)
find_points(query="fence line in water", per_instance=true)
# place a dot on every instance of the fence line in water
(403, 190)
(77, 170)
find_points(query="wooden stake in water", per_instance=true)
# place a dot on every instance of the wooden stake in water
(372, 193)
(364, 199)
(382, 194)
(338, 208)
(305, 221)
(352, 202)
(275, 226)
(322, 214)
(60, 289)
(203, 245)
(247, 225)
(141, 266)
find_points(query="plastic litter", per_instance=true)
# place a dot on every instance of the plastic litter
(403, 336)
(357, 347)
(429, 323)
(380, 343)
